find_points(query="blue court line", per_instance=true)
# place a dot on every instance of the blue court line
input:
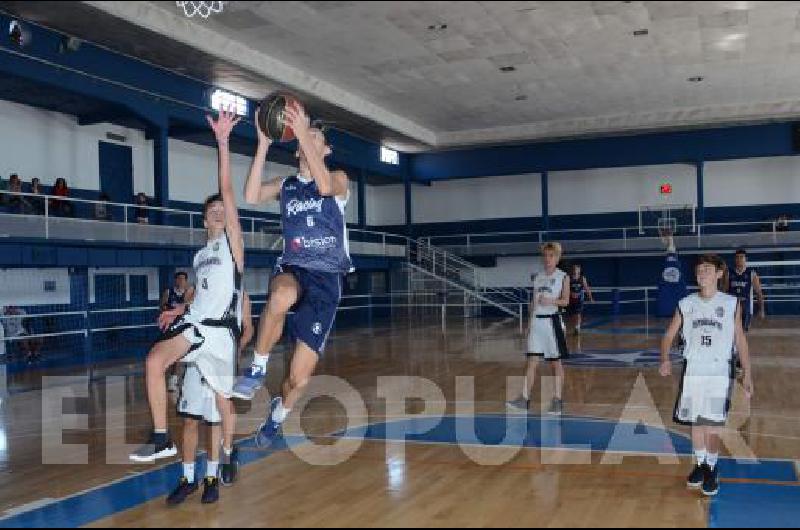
(594, 434)
(546, 432)
(775, 507)
(105, 501)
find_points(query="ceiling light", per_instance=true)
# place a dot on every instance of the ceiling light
(696, 79)
(521, 97)
(506, 69)
(437, 27)
(641, 32)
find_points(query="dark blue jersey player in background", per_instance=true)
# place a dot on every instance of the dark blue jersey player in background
(308, 277)
(745, 285)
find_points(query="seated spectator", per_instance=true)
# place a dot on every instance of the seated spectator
(142, 215)
(57, 207)
(101, 212)
(15, 186)
(782, 223)
(14, 325)
(32, 204)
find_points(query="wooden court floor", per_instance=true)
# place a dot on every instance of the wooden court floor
(615, 459)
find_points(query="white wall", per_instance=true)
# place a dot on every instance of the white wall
(26, 287)
(48, 145)
(478, 198)
(512, 272)
(386, 205)
(193, 174)
(611, 190)
(752, 181)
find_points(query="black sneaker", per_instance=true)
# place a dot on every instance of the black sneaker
(696, 479)
(229, 468)
(556, 408)
(182, 492)
(157, 447)
(210, 490)
(711, 482)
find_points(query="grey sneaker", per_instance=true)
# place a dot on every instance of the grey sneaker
(520, 405)
(556, 408)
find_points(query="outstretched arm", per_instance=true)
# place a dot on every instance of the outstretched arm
(222, 128)
(255, 191)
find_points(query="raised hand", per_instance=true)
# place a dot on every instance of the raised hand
(295, 117)
(224, 124)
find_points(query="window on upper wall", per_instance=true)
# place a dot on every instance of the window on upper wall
(390, 156)
(221, 99)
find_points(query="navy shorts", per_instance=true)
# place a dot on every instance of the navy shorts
(574, 308)
(315, 310)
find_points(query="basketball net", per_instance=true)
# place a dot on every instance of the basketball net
(201, 8)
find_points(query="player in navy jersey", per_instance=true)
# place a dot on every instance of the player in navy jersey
(745, 285)
(579, 292)
(308, 276)
(180, 294)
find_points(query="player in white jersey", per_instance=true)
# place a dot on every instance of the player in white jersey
(546, 331)
(205, 333)
(711, 324)
(197, 404)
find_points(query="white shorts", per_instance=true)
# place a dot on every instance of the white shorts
(197, 400)
(705, 395)
(547, 338)
(214, 352)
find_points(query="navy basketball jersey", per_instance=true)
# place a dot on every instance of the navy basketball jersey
(314, 228)
(175, 298)
(577, 290)
(741, 286)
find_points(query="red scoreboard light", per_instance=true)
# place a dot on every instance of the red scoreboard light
(666, 188)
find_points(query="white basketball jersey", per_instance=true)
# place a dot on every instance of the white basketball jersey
(217, 295)
(709, 327)
(549, 285)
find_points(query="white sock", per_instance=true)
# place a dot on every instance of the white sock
(712, 460)
(701, 456)
(280, 414)
(212, 469)
(226, 451)
(188, 472)
(260, 361)
(160, 431)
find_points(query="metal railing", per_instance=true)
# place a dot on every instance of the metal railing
(621, 238)
(28, 215)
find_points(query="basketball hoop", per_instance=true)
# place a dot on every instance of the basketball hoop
(203, 9)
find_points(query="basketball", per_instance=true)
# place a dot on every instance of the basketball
(270, 116)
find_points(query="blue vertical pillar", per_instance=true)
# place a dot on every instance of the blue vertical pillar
(161, 168)
(545, 203)
(409, 213)
(362, 199)
(701, 203)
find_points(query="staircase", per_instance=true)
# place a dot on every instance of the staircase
(434, 273)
